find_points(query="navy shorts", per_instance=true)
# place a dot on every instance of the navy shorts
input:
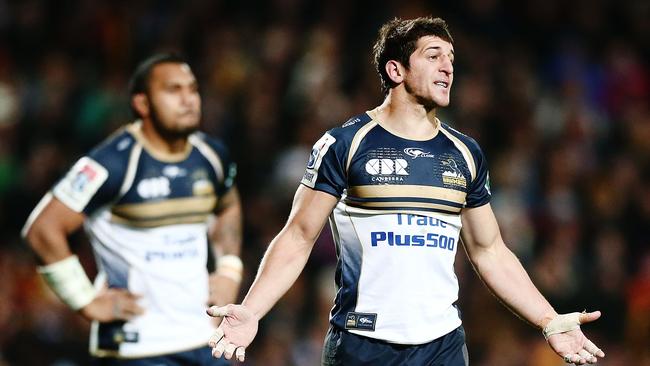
(346, 349)
(197, 357)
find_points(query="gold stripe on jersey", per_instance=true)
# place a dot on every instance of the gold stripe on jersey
(388, 191)
(356, 141)
(169, 207)
(209, 154)
(463, 150)
(451, 218)
(131, 169)
(149, 223)
(406, 205)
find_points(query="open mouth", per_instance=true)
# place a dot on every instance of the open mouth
(442, 84)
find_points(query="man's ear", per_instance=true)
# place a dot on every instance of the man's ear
(140, 103)
(395, 71)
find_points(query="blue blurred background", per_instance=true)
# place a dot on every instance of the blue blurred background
(556, 92)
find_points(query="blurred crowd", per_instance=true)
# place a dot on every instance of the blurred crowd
(556, 92)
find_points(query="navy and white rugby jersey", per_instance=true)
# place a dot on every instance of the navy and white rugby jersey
(147, 218)
(396, 225)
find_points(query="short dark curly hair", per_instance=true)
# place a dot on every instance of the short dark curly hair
(397, 40)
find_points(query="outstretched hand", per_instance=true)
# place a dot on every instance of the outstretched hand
(236, 332)
(567, 340)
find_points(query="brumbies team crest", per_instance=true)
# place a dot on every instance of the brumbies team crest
(452, 175)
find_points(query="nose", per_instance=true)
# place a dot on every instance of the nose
(188, 96)
(447, 66)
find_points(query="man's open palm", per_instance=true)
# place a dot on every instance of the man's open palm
(236, 332)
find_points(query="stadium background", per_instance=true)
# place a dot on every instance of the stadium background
(556, 92)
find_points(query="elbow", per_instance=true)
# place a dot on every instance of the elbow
(34, 236)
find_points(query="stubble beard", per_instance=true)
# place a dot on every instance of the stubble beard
(167, 133)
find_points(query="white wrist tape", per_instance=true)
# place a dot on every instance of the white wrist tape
(230, 266)
(561, 324)
(69, 282)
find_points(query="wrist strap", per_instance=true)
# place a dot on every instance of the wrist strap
(561, 324)
(230, 266)
(69, 282)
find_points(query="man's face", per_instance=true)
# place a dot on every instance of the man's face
(175, 103)
(431, 72)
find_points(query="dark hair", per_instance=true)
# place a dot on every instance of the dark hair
(140, 79)
(139, 82)
(397, 41)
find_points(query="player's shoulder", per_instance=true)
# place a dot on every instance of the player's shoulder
(204, 140)
(467, 140)
(115, 150)
(351, 127)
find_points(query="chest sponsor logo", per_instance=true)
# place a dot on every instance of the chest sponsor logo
(416, 152)
(387, 170)
(154, 187)
(429, 240)
(452, 175)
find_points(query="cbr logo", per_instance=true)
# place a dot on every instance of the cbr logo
(387, 167)
(154, 187)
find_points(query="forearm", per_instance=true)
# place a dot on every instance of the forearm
(284, 260)
(504, 275)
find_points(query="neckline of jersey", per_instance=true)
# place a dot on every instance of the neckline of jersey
(135, 129)
(373, 116)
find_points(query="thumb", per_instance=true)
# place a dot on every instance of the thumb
(588, 317)
(216, 311)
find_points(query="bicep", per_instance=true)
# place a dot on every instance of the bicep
(48, 231)
(480, 229)
(310, 211)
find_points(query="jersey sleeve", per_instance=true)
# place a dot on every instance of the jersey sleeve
(223, 163)
(88, 185)
(96, 179)
(479, 190)
(325, 168)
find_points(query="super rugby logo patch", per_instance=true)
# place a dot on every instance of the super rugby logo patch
(81, 183)
(316, 158)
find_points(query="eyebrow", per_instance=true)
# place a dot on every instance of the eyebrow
(437, 48)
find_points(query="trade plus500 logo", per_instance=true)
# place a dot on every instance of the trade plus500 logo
(431, 240)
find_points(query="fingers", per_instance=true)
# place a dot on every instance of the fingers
(588, 354)
(593, 349)
(216, 337)
(125, 306)
(573, 358)
(240, 353)
(228, 350)
(219, 348)
(588, 317)
(216, 311)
